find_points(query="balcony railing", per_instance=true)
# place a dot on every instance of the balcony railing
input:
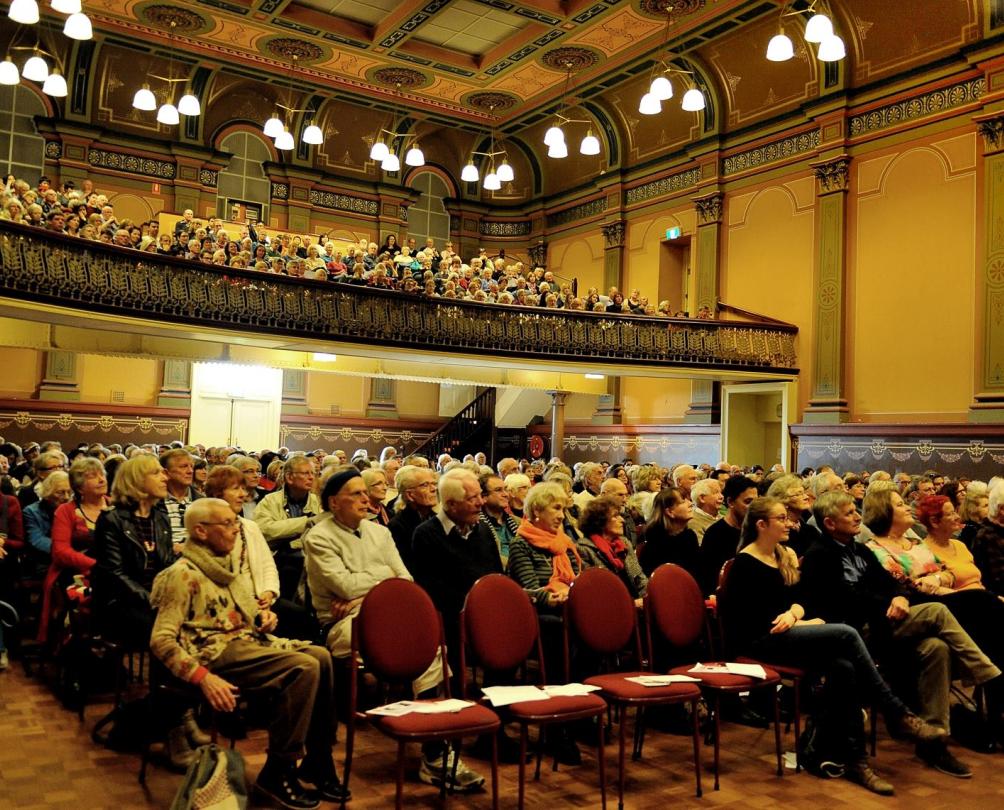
(66, 271)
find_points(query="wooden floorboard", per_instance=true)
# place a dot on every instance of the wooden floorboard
(47, 760)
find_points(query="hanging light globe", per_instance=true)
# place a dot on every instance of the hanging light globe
(66, 6)
(379, 151)
(693, 100)
(661, 88)
(492, 182)
(144, 99)
(55, 85)
(590, 144)
(24, 12)
(273, 127)
(78, 26)
(558, 150)
(649, 105)
(818, 28)
(505, 172)
(285, 140)
(9, 73)
(832, 49)
(553, 135)
(470, 173)
(780, 49)
(391, 163)
(168, 115)
(189, 105)
(415, 157)
(35, 69)
(313, 135)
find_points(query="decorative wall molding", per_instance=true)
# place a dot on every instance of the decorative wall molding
(992, 132)
(344, 202)
(710, 208)
(782, 149)
(280, 191)
(209, 178)
(664, 186)
(131, 164)
(97, 428)
(349, 438)
(833, 175)
(614, 234)
(937, 101)
(504, 229)
(53, 150)
(576, 212)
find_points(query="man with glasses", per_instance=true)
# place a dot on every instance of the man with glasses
(417, 498)
(45, 464)
(495, 514)
(211, 632)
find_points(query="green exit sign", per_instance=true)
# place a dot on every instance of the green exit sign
(672, 233)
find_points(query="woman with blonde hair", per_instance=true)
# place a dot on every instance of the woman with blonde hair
(667, 539)
(974, 510)
(790, 490)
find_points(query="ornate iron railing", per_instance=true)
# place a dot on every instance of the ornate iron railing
(56, 269)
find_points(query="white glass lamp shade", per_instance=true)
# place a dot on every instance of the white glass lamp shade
(492, 182)
(649, 105)
(415, 157)
(189, 105)
(558, 150)
(66, 6)
(391, 163)
(590, 144)
(144, 99)
(35, 69)
(780, 49)
(818, 28)
(55, 85)
(78, 26)
(273, 127)
(168, 114)
(661, 88)
(9, 73)
(553, 136)
(505, 172)
(470, 173)
(285, 140)
(832, 49)
(23, 11)
(313, 135)
(379, 151)
(693, 100)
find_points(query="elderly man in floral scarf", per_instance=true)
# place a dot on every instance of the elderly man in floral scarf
(211, 632)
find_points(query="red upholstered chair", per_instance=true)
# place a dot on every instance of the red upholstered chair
(675, 610)
(398, 634)
(601, 615)
(498, 631)
(789, 674)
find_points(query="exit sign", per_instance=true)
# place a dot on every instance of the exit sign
(672, 233)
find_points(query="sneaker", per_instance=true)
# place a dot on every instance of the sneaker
(463, 781)
(941, 759)
(913, 728)
(861, 773)
(324, 778)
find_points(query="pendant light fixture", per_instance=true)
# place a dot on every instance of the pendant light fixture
(554, 138)
(189, 105)
(831, 49)
(144, 99)
(496, 174)
(384, 150)
(780, 49)
(9, 73)
(818, 30)
(35, 69)
(273, 127)
(78, 26)
(278, 128)
(470, 172)
(505, 172)
(66, 6)
(391, 163)
(285, 140)
(168, 114)
(23, 11)
(660, 87)
(55, 85)
(693, 100)
(313, 135)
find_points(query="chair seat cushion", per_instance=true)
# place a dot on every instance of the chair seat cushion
(619, 688)
(472, 720)
(780, 669)
(557, 707)
(726, 681)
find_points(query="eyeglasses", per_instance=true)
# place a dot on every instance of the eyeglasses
(53, 469)
(230, 524)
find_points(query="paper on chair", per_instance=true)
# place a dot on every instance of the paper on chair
(661, 680)
(570, 689)
(450, 706)
(730, 668)
(507, 695)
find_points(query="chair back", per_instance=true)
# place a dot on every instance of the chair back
(397, 631)
(498, 623)
(722, 606)
(600, 611)
(674, 606)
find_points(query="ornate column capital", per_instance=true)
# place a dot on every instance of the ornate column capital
(833, 174)
(710, 208)
(614, 234)
(991, 127)
(538, 254)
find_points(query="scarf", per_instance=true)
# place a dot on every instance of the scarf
(558, 545)
(218, 569)
(613, 550)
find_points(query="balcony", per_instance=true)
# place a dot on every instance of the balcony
(69, 275)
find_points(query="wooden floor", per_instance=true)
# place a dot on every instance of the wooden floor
(47, 760)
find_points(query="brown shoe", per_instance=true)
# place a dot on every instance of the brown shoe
(862, 774)
(911, 727)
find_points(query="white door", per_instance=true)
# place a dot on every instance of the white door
(755, 419)
(253, 424)
(235, 405)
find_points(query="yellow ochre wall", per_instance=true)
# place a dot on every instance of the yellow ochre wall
(22, 370)
(578, 257)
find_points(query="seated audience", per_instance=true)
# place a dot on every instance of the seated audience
(721, 538)
(53, 491)
(603, 545)
(495, 514)
(417, 498)
(667, 538)
(376, 486)
(706, 495)
(790, 490)
(974, 510)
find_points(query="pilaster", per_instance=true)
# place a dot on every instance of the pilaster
(60, 383)
(383, 399)
(176, 385)
(608, 409)
(558, 422)
(705, 395)
(294, 391)
(614, 237)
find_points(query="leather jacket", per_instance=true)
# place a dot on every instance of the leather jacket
(121, 559)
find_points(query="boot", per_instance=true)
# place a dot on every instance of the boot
(196, 736)
(179, 752)
(278, 783)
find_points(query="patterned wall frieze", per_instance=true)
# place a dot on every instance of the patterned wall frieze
(937, 101)
(576, 212)
(664, 186)
(344, 202)
(335, 436)
(782, 149)
(132, 164)
(503, 229)
(280, 191)
(143, 429)
(833, 175)
(209, 178)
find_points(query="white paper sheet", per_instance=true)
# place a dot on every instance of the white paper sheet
(662, 680)
(731, 668)
(507, 695)
(420, 707)
(570, 689)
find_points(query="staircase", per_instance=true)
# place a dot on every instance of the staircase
(470, 431)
